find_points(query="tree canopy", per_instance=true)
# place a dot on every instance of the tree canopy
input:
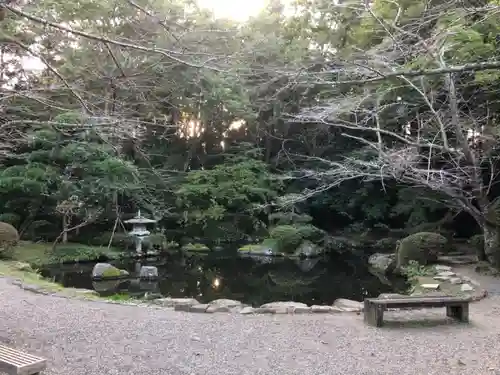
(362, 116)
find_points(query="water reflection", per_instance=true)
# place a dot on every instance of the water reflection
(252, 280)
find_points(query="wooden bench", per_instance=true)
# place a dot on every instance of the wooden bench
(456, 307)
(15, 362)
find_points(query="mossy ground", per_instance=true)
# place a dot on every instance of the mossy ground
(41, 253)
(445, 287)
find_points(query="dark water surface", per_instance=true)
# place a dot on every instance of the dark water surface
(251, 280)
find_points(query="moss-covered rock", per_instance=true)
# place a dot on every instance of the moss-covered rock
(103, 271)
(422, 247)
(267, 247)
(195, 247)
(9, 237)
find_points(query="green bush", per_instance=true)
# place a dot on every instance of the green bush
(68, 253)
(476, 242)
(287, 236)
(422, 248)
(310, 232)
(9, 238)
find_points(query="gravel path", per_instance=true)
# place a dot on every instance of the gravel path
(94, 338)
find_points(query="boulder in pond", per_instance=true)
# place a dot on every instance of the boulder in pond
(384, 263)
(148, 272)
(107, 271)
(307, 249)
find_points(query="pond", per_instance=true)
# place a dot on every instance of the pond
(254, 281)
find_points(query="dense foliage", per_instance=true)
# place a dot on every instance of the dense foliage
(368, 118)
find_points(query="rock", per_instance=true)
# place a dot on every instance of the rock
(172, 302)
(441, 278)
(456, 280)
(384, 263)
(470, 281)
(149, 296)
(446, 274)
(390, 295)
(348, 305)
(106, 287)
(148, 272)
(321, 309)
(185, 308)
(201, 308)
(217, 309)
(107, 271)
(430, 286)
(225, 303)
(301, 310)
(283, 304)
(307, 264)
(307, 249)
(247, 311)
(441, 268)
(265, 310)
(466, 288)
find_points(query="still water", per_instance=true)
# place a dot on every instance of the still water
(253, 281)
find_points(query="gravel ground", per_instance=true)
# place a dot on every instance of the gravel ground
(95, 338)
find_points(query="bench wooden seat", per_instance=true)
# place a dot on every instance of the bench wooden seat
(15, 362)
(456, 307)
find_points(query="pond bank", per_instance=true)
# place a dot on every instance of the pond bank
(444, 277)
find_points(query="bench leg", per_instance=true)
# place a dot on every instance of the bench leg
(458, 312)
(373, 314)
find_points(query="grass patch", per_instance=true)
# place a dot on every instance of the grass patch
(42, 253)
(27, 275)
(120, 297)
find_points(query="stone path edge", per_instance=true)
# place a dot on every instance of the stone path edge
(341, 305)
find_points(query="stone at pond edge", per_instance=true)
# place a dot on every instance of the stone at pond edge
(283, 304)
(383, 263)
(348, 305)
(197, 308)
(222, 302)
(217, 309)
(148, 272)
(247, 311)
(307, 249)
(172, 302)
(107, 271)
(390, 295)
(322, 309)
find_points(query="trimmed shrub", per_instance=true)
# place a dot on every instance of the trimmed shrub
(9, 238)
(422, 248)
(287, 236)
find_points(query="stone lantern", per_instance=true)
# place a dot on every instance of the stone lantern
(139, 230)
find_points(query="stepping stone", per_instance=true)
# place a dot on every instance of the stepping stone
(441, 268)
(430, 286)
(466, 288)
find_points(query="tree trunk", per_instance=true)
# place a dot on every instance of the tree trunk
(65, 229)
(490, 250)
